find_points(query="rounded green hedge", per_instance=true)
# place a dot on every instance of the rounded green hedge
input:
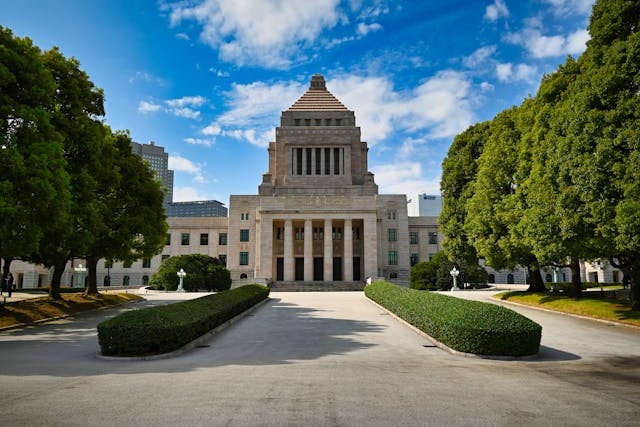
(463, 325)
(157, 330)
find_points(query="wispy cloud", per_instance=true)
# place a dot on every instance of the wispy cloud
(143, 76)
(544, 46)
(200, 141)
(237, 28)
(571, 7)
(148, 107)
(496, 10)
(180, 107)
(507, 72)
(363, 29)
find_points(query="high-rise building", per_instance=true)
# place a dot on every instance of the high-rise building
(158, 162)
(424, 205)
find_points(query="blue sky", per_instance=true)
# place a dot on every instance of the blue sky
(207, 79)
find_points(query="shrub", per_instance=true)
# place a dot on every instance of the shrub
(435, 274)
(466, 326)
(203, 272)
(166, 328)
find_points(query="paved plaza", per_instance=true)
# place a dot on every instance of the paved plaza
(319, 359)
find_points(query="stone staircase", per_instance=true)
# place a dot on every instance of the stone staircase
(316, 286)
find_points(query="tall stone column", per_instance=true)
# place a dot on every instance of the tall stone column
(288, 251)
(370, 237)
(348, 251)
(328, 251)
(308, 250)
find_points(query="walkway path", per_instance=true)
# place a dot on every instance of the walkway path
(320, 359)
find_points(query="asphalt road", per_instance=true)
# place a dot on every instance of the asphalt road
(319, 359)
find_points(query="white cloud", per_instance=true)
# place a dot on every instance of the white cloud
(404, 177)
(187, 194)
(479, 57)
(542, 46)
(182, 36)
(200, 141)
(486, 87)
(147, 78)
(187, 113)
(507, 72)
(211, 130)
(363, 29)
(496, 11)
(267, 33)
(193, 101)
(571, 7)
(148, 107)
(182, 164)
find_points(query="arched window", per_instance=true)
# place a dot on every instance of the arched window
(548, 278)
(243, 276)
(125, 281)
(510, 279)
(492, 278)
(145, 280)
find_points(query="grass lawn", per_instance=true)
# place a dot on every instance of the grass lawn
(590, 306)
(34, 309)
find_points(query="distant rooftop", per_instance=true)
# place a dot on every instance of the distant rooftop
(317, 98)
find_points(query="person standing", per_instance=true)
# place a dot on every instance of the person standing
(10, 284)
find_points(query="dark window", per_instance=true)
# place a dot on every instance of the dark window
(336, 161)
(146, 262)
(243, 276)
(308, 150)
(413, 237)
(393, 258)
(510, 279)
(327, 161)
(222, 239)
(223, 259)
(279, 233)
(299, 233)
(338, 122)
(307, 122)
(244, 235)
(204, 238)
(145, 280)
(185, 239)
(433, 238)
(297, 122)
(244, 258)
(168, 240)
(414, 259)
(318, 161)
(393, 235)
(165, 257)
(125, 281)
(327, 122)
(356, 233)
(337, 233)
(492, 278)
(299, 161)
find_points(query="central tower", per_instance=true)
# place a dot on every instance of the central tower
(318, 150)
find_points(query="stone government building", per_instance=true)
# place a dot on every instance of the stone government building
(317, 217)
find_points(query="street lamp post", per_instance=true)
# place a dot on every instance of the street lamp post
(454, 273)
(80, 270)
(181, 275)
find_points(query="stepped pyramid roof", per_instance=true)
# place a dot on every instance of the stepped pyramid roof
(317, 98)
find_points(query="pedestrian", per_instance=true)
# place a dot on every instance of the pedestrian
(625, 280)
(10, 284)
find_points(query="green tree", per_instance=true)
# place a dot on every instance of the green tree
(75, 113)
(133, 222)
(34, 186)
(436, 273)
(203, 272)
(423, 276)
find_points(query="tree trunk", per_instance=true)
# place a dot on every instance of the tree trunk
(54, 289)
(5, 272)
(575, 290)
(92, 285)
(535, 278)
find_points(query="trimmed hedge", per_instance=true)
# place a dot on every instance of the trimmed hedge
(157, 330)
(463, 325)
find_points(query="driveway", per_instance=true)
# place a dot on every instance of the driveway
(320, 359)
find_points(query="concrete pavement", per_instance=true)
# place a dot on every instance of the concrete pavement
(320, 359)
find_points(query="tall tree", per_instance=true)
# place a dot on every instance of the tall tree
(34, 186)
(75, 113)
(133, 220)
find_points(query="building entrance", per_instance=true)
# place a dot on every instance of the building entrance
(356, 268)
(318, 269)
(299, 273)
(279, 269)
(337, 268)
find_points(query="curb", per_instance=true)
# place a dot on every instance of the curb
(51, 319)
(446, 347)
(189, 346)
(579, 316)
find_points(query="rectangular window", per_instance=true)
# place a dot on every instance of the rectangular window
(299, 233)
(393, 258)
(223, 259)
(327, 122)
(414, 259)
(279, 233)
(244, 235)
(337, 233)
(393, 235)
(244, 258)
(413, 237)
(356, 233)
(391, 215)
(308, 151)
(204, 239)
(318, 233)
(299, 161)
(165, 257)
(336, 161)
(318, 122)
(146, 262)
(327, 161)
(318, 161)
(222, 239)
(433, 238)
(338, 122)
(168, 239)
(297, 122)
(185, 239)
(307, 122)
(431, 256)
